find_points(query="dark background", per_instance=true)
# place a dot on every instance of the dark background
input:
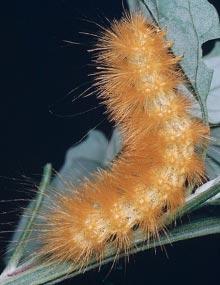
(38, 123)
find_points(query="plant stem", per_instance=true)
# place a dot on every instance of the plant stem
(18, 251)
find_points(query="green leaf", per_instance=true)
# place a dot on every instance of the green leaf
(189, 24)
(87, 157)
(213, 106)
(82, 160)
(201, 195)
(213, 100)
(28, 226)
(213, 154)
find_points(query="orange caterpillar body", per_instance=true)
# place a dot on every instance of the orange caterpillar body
(137, 77)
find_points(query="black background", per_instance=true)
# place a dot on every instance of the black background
(38, 124)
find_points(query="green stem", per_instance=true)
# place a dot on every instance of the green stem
(197, 200)
(18, 252)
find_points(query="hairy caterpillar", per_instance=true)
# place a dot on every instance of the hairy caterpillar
(137, 78)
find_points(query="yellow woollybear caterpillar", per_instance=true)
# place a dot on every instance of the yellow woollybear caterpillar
(137, 78)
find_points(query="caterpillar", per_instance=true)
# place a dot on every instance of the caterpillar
(137, 77)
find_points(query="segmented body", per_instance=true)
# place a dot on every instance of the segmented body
(137, 78)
